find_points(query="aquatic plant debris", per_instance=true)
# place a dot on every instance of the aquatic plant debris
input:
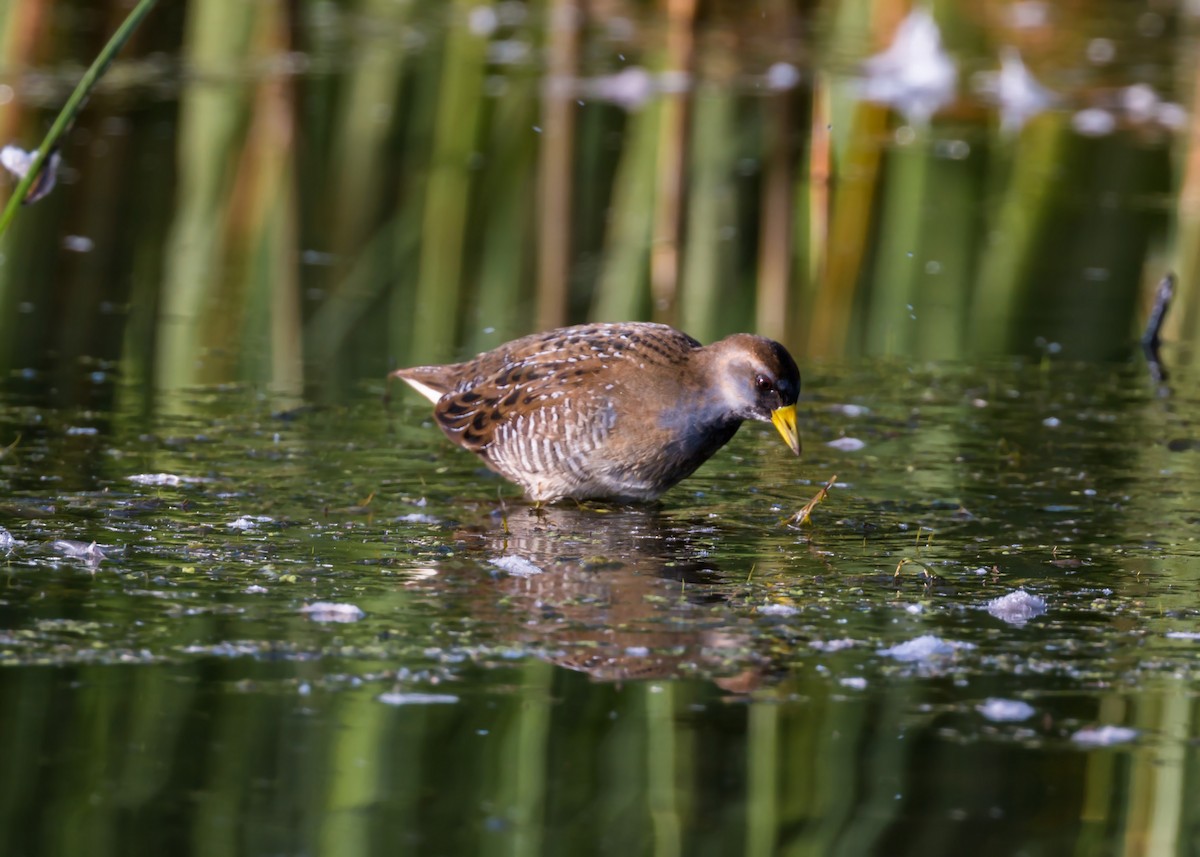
(1104, 736)
(833, 645)
(331, 611)
(927, 647)
(417, 518)
(166, 480)
(1005, 710)
(399, 698)
(1017, 608)
(847, 444)
(90, 552)
(516, 566)
(778, 610)
(249, 522)
(18, 162)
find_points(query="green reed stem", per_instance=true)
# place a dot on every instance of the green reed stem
(73, 106)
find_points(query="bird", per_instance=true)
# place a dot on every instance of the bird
(612, 412)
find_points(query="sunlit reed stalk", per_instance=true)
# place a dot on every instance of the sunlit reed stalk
(667, 747)
(363, 119)
(218, 35)
(503, 231)
(71, 109)
(564, 18)
(420, 107)
(948, 256)
(1184, 322)
(672, 158)
(621, 291)
(893, 281)
(362, 248)
(21, 25)
(842, 171)
(820, 175)
(709, 263)
(524, 758)
(829, 327)
(1020, 217)
(764, 755)
(778, 196)
(256, 296)
(270, 244)
(810, 224)
(356, 776)
(446, 213)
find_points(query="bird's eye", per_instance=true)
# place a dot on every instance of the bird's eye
(763, 384)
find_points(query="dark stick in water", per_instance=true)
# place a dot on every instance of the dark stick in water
(1158, 314)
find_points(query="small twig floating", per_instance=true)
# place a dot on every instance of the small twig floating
(805, 513)
(927, 574)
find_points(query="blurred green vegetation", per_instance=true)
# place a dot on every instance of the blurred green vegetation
(299, 195)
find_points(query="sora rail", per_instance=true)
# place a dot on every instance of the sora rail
(609, 411)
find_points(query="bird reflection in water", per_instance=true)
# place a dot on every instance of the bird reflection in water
(622, 593)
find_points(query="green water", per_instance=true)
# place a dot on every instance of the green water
(249, 607)
(687, 678)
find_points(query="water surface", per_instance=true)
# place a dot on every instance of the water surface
(226, 626)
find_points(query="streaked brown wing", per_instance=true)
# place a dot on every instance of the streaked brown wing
(555, 383)
(473, 415)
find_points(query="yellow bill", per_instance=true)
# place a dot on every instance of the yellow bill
(784, 419)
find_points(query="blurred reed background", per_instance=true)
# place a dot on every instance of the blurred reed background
(300, 195)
